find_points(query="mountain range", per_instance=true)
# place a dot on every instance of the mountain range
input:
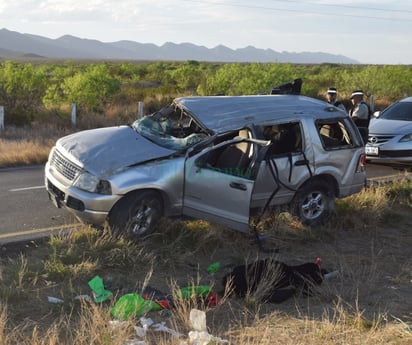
(15, 45)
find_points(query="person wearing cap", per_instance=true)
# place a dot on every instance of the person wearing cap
(360, 110)
(332, 98)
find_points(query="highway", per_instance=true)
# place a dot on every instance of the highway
(26, 212)
(25, 209)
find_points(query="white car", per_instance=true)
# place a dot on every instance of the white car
(390, 134)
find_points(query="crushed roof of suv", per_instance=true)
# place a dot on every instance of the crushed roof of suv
(221, 113)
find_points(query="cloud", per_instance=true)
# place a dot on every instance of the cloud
(71, 10)
(310, 25)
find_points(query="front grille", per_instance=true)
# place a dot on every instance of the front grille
(395, 154)
(379, 139)
(64, 166)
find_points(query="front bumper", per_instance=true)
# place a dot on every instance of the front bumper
(389, 156)
(388, 153)
(87, 207)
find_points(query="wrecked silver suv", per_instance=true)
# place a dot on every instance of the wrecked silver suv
(222, 159)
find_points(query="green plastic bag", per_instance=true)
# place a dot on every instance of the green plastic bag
(100, 294)
(213, 268)
(191, 291)
(132, 305)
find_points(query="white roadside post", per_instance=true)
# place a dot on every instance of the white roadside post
(140, 110)
(1, 117)
(372, 103)
(74, 115)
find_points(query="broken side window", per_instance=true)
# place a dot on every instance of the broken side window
(233, 159)
(286, 138)
(333, 134)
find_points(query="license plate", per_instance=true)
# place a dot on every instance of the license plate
(372, 150)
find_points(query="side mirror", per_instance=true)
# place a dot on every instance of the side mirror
(376, 113)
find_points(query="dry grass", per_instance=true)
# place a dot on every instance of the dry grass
(24, 152)
(27, 146)
(31, 145)
(341, 328)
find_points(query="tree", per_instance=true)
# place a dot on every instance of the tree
(21, 90)
(188, 76)
(54, 95)
(242, 79)
(91, 89)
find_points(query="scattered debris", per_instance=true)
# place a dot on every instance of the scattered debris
(331, 275)
(133, 305)
(281, 281)
(195, 290)
(146, 323)
(100, 294)
(160, 327)
(199, 334)
(56, 300)
(162, 299)
(213, 268)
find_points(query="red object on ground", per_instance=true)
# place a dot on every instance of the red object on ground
(318, 261)
(212, 299)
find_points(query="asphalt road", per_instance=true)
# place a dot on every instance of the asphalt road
(25, 209)
(26, 212)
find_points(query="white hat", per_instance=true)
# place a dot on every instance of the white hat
(356, 93)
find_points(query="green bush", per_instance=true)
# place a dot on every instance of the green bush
(39, 92)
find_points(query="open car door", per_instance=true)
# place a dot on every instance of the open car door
(219, 182)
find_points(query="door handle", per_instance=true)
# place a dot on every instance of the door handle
(301, 162)
(237, 185)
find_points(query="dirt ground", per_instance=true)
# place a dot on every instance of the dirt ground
(374, 273)
(374, 268)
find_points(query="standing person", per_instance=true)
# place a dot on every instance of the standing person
(360, 110)
(332, 98)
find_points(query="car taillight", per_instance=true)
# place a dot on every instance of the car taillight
(361, 163)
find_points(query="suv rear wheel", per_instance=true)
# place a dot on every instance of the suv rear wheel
(136, 214)
(314, 203)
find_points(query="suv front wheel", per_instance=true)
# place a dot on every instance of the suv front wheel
(314, 203)
(136, 214)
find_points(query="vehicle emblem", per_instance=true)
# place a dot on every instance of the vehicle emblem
(373, 140)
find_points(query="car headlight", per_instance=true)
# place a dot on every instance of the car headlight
(93, 184)
(405, 138)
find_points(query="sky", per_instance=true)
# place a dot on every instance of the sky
(369, 31)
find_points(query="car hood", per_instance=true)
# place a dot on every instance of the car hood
(394, 127)
(104, 151)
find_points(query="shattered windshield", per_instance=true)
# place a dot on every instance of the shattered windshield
(171, 128)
